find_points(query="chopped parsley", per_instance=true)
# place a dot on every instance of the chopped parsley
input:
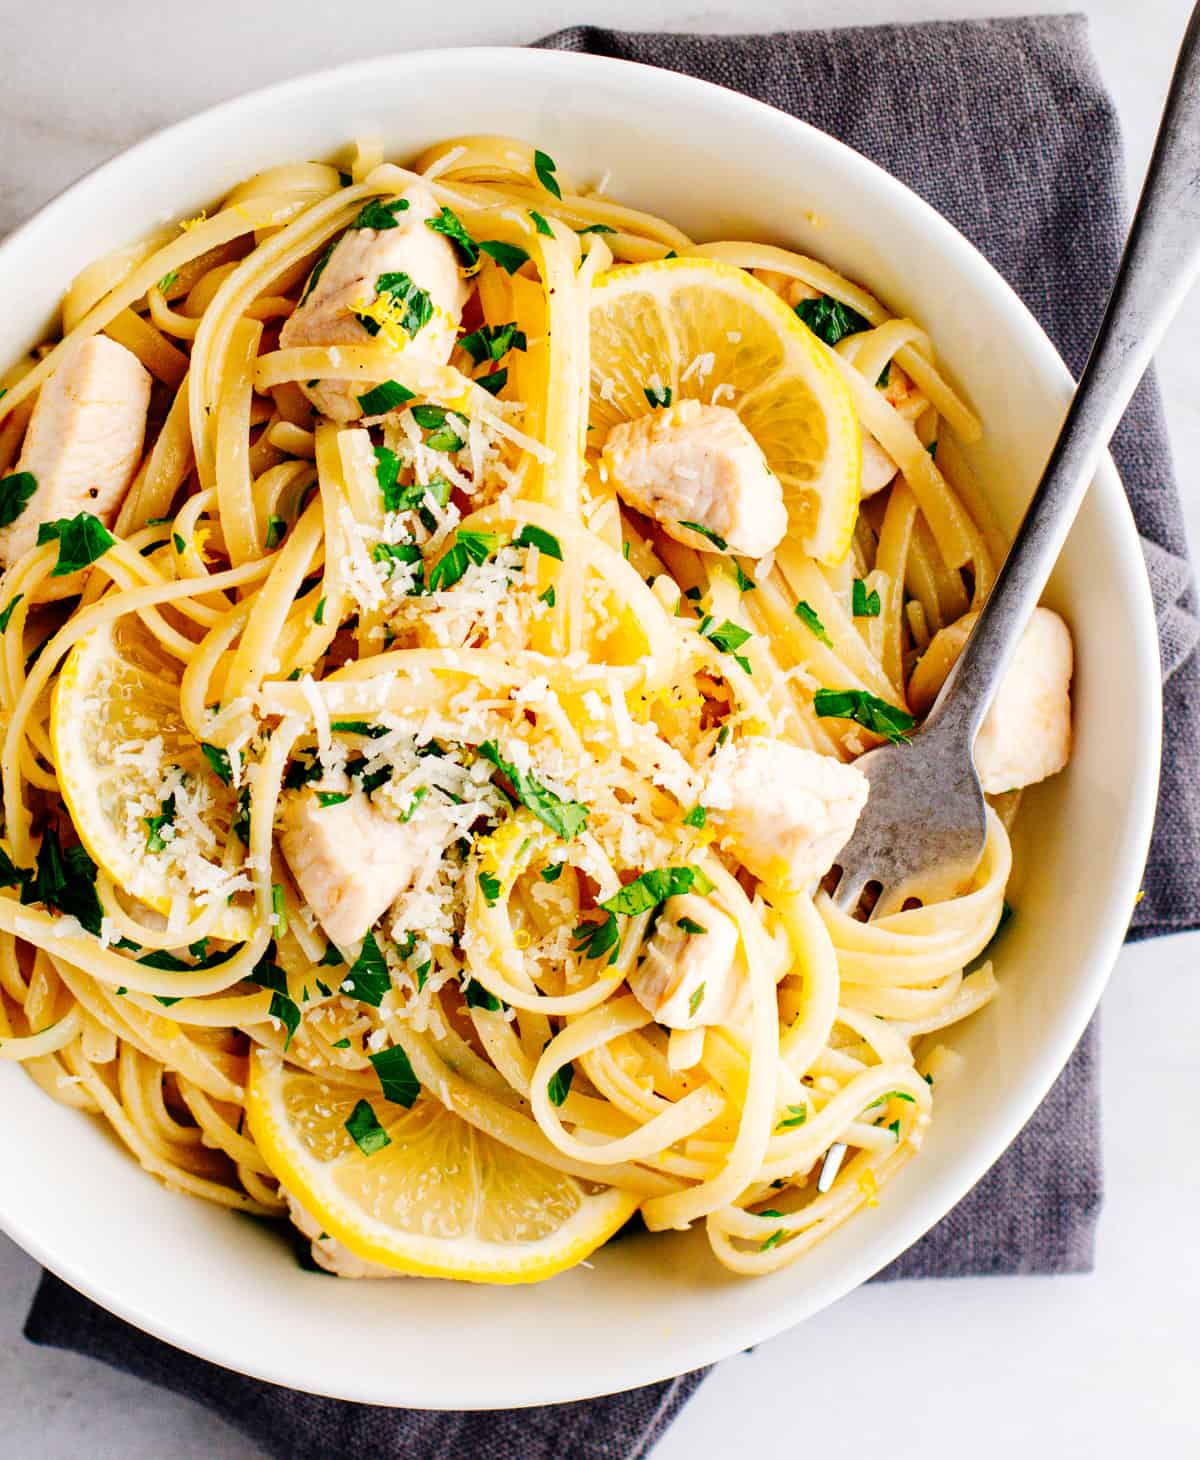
(155, 841)
(82, 540)
(831, 320)
(695, 1001)
(538, 537)
(417, 797)
(10, 874)
(7, 612)
(797, 1115)
(744, 582)
(368, 979)
(167, 281)
(331, 958)
(318, 270)
(396, 1078)
(545, 168)
(551, 874)
(717, 541)
(565, 818)
(728, 637)
(594, 940)
(359, 727)
(773, 1240)
(449, 224)
(558, 1087)
(595, 228)
(319, 612)
(365, 1131)
(868, 710)
(660, 395)
(493, 341)
(478, 997)
(65, 882)
(380, 215)
(494, 382)
(862, 603)
(808, 616)
(276, 529)
(541, 225)
(890, 1095)
(696, 817)
(489, 885)
(436, 420)
(690, 925)
(645, 893)
(384, 397)
(507, 255)
(468, 547)
(413, 303)
(218, 761)
(332, 798)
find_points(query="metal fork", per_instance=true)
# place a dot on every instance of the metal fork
(924, 822)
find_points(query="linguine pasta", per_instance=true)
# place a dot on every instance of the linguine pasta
(443, 609)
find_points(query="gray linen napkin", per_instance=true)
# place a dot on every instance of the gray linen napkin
(1004, 126)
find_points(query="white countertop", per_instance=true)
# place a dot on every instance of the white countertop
(1081, 1367)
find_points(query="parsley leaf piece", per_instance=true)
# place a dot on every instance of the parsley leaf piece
(396, 1078)
(332, 798)
(715, 538)
(478, 997)
(729, 638)
(646, 891)
(489, 885)
(797, 1115)
(660, 395)
(8, 610)
(368, 979)
(867, 710)
(494, 382)
(744, 582)
(507, 255)
(365, 1131)
(890, 1095)
(773, 1240)
(10, 874)
(545, 168)
(808, 616)
(565, 818)
(417, 797)
(342, 1044)
(319, 612)
(437, 421)
(417, 305)
(65, 882)
(595, 228)
(695, 1001)
(696, 817)
(384, 397)
(551, 874)
(493, 342)
(167, 280)
(380, 215)
(541, 225)
(862, 603)
(318, 270)
(883, 376)
(276, 530)
(468, 547)
(594, 940)
(82, 540)
(545, 542)
(829, 319)
(155, 841)
(218, 761)
(559, 1085)
(449, 223)
(549, 598)
(331, 958)
(359, 727)
(690, 925)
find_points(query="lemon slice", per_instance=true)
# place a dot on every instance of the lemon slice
(441, 1199)
(117, 694)
(710, 331)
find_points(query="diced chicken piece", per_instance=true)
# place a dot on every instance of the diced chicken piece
(331, 1254)
(329, 314)
(698, 463)
(878, 468)
(350, 861)
(687, 976)
(84, 440)
(786, 811)
(1026, 735)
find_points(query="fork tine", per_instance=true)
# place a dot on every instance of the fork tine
(849, 889)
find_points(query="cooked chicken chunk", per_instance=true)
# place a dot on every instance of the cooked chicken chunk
(1026, 735)
(331, 1254)
(418, 261)
(350, 861)
(687, 975)
(698, 463)
(84, 440)
(787, 812)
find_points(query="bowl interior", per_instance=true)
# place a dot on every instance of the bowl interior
(718, 165)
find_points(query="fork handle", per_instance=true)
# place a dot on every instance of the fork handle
(1159, 265)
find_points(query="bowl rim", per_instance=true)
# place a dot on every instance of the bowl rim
(685, 1352)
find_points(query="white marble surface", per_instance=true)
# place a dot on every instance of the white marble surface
(1075, 1367)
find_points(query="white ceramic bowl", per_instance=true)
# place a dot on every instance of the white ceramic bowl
(719, 166)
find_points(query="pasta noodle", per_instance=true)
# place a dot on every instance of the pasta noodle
(490, 636)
